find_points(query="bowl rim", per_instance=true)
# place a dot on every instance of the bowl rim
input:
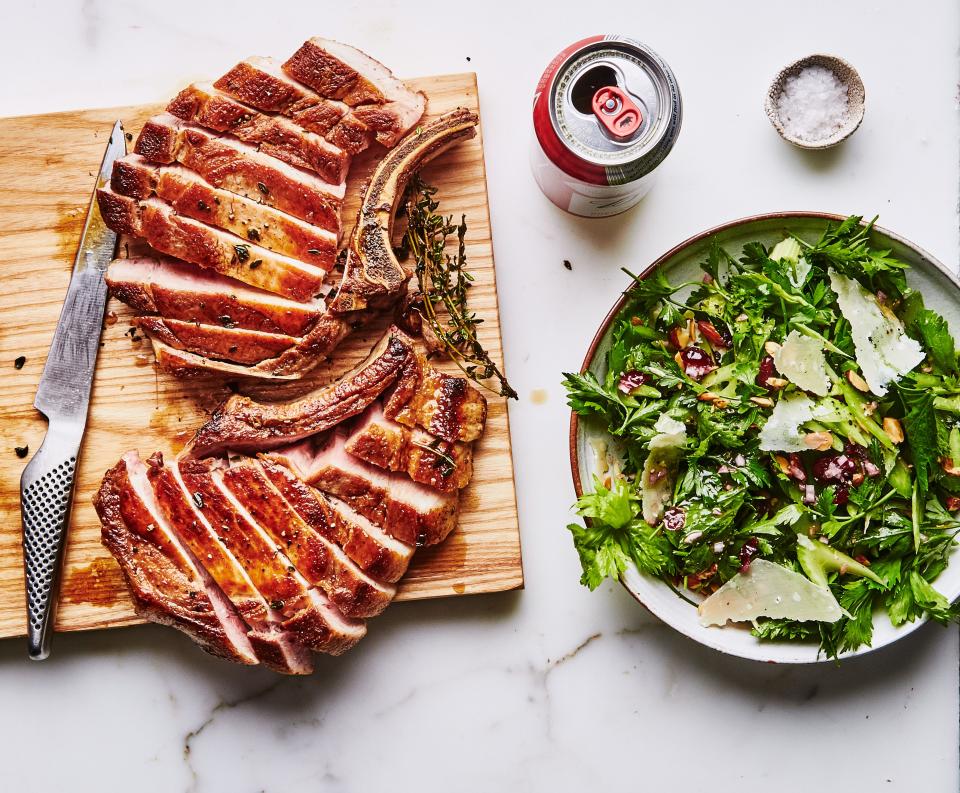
(660, 261)
(770, 107)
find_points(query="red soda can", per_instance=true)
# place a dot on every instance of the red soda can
(606, 113)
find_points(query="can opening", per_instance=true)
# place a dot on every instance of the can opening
(587, 85)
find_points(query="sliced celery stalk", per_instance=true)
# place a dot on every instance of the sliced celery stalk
(816, 559)
(899, 479)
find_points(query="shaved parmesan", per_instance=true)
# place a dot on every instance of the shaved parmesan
(669, 426)
(782, 433)
(660, 467)
(884, 351)
(801, 360)
(766, 589)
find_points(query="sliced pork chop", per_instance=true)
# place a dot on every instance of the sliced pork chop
(274, 646)
(261, 83)
(407, 510)
(373, 279)
(227, 162)
(339, 71)
(198, 243)
(373, 550)
(321, 562)
(177, 290)
(327, 332)
(241, 424)
(424, 458)
(304, 611)
(256, 222)
(167, 584)
(449, 410)
(204, 105)
(216, 341)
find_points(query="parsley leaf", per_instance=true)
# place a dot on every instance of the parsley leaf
(615, 535)
(586, 396)
(920, 425)
(936, 338)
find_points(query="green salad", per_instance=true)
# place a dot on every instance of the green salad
(784, 441)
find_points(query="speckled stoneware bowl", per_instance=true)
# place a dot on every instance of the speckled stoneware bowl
(941, 292)
(845, 73)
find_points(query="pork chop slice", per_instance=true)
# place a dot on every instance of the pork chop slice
(338, 71)
(304, 611)
(167, 584)
(227, 162)
(390, 121)
(244, 425)
(177, 290)
(204, 105)
(327, 332)
(373, 550)
(216, 341)
(261, 83)
(432, 461)
(445, 405)
(321, 562)
(256, 222)
(410, 512)
(274, 646)
(209, 247)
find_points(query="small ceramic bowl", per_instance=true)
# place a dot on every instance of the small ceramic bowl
(845, 73)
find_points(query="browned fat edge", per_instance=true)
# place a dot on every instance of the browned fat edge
(116, 214)
(133, 180)
(618, 307)
(453, 393)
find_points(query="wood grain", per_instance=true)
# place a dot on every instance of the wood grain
(52, 160)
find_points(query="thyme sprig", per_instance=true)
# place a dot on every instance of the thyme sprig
(444, 282)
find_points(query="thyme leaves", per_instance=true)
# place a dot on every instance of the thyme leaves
(444, 281)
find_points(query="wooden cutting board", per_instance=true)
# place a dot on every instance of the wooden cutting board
(48, 165)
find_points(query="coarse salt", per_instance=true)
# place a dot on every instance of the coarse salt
(813, 104)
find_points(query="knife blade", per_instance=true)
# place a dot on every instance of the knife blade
(63, 396)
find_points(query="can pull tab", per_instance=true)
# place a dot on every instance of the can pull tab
(617, 112)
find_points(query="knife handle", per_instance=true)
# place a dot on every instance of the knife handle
(46, 494)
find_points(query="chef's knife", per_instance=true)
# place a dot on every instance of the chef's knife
(63, 396)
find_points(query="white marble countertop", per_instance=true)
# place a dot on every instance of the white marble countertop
(552, 688)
